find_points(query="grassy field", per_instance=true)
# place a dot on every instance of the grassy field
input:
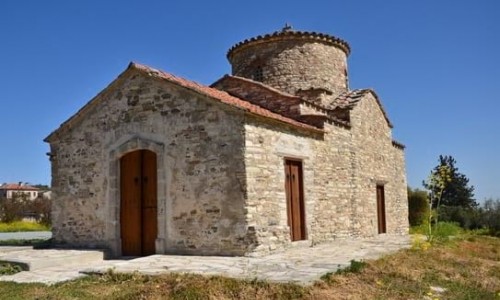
(17, 226)
(468, 267)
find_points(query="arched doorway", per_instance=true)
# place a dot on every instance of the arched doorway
(138, 203)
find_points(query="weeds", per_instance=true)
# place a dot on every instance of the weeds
(9, 268)
(354, 267)
(441, 232)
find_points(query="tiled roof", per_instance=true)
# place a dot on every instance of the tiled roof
(288, 33)
(213, 93)
(257, 83)
(17, 187)
(349, 99)
(398, 144)
(293, 99)
(221, 96)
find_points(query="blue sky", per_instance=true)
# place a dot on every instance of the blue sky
(435, 65)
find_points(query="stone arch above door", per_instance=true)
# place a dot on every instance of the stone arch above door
(134, 143)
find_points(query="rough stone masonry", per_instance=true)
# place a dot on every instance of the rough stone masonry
(278, 154)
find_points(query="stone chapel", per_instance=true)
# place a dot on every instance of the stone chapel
(279, 153)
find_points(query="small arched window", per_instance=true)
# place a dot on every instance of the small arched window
(258, 74)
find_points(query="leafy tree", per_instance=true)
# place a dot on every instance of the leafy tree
(418, 207)
(456, 191)
(20, 207)
(12, 209)
(467, 218)
(43, 187)
(491, 216)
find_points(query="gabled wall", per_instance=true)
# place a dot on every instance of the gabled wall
(378, 162)
(201, 175)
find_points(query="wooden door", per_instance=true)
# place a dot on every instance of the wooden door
(138, 210)
(381, 209)
(295, 199)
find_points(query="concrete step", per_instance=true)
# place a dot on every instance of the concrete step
(31, 259)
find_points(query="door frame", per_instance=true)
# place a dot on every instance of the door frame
(381, 211)
(112, 234)
(303, 221)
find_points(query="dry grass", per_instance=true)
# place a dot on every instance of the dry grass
(468, 268)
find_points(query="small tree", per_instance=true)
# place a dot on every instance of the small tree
(41, 208)
(12, 209)
(457, 191)
(437, 182)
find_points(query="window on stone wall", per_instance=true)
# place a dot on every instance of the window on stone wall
(258, 74)
(346, 78)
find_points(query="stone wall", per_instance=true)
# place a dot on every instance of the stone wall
(377, 162)
(293, 63)
(341, 170)
(327, 179)
(201, 174)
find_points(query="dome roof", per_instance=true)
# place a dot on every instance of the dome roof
(288, 33)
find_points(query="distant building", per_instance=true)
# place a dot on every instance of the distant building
(9, 190)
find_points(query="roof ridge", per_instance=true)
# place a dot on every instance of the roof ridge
(221, 95)
(194, 86)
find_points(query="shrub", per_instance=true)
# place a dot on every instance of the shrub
(418, 206)
(491, 216)
(20, 207)
(441, 232)
(354, 267)
(12, 209)
(445, 230)
(7, 268)
(467, 218)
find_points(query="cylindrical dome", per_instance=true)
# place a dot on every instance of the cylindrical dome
(293, 61)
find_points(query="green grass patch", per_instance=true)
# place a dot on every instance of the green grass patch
(7, 268)
(18, 226)
(442, 232)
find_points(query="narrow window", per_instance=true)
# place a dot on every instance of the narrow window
(258, 74)
(346, 78)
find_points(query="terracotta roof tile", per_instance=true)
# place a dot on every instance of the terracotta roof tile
(293, 34)
(221, 96)
(349, 99)
(293, 99)
(18, 187)
(213, 93)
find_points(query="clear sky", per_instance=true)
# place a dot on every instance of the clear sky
(434, 64)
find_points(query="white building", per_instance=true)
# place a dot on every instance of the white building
(9, 190)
